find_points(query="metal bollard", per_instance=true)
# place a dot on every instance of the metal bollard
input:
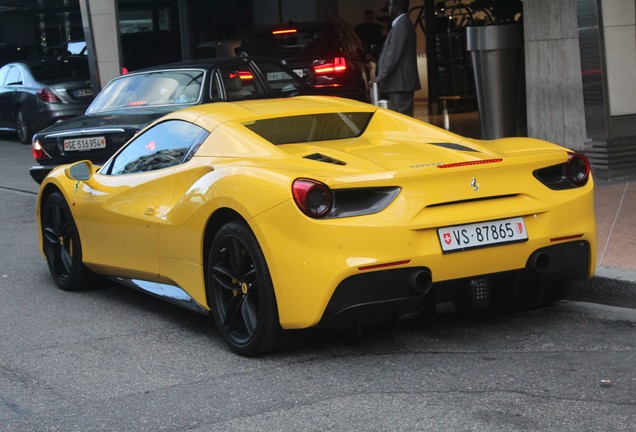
(375, 93)
(375, 97)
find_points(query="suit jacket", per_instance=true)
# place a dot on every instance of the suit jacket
(397, 66)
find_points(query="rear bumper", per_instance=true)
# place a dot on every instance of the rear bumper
(389, 295)
(39, 172)
(57, 113)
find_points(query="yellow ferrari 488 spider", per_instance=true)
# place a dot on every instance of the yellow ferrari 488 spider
(280, 215)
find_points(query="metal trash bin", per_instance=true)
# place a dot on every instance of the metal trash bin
(497, 57)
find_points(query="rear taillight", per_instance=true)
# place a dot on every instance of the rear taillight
(47, 95)
(284, 31)
(577, 169)
(243, 75)
(339, 65)
(38, 151)
(124, 70)
(571, 174)
(312, 197)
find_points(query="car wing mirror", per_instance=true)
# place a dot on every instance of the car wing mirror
(80, 171)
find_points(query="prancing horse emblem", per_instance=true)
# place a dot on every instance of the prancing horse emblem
(474, 184)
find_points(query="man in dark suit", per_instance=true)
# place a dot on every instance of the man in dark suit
(397, 67)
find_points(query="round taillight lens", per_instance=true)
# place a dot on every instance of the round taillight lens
(312, 197)
(577, 169)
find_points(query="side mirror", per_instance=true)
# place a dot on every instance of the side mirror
(80, 171)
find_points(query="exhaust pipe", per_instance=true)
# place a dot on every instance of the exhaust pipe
(539, 262)
(421, 281)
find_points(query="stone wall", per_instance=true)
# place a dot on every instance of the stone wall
(555, 109)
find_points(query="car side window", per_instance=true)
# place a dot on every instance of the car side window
(239, 82)
(3, 74)
(164, 145)
(217, 92)
(280, 81)
(14, 77)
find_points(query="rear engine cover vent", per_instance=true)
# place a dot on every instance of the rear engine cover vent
(322, 158)
(453, 146)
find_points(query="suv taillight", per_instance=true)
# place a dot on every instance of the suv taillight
(47, 95)
(339, 65)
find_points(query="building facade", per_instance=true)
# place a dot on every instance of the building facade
(580, 55)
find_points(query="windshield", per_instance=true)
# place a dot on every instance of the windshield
(157, 88)
(307, 40)
(74, 68)
(312, 127)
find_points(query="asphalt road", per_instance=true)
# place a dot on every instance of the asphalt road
(113, 359)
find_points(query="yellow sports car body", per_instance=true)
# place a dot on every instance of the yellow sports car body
(279, 215)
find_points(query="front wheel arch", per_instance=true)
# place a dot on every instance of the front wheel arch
(61, 242)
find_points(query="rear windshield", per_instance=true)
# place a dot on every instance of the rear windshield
(308, 40)
(158, 88)
(312, 127)
(74, 68)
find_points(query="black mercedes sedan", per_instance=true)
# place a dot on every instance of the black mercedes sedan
(37, 93)
(130, 102)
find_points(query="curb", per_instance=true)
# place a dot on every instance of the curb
(610, 286)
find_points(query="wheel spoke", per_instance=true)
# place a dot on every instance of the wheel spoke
(57, 218)
(224, 277)
(237, 262)
(231, 310)
(51, 235)
(248, 311)
(67, 259)
(250, 277)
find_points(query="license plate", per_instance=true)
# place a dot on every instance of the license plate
(83, 92)
(277, 76)
(89, 143)
(462, 237)
(299, 72)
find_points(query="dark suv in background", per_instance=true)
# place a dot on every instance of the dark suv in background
(327, 53)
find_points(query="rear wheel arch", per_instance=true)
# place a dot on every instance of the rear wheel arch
(23, 127)
(254, 300)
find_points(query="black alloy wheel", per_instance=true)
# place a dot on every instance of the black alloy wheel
(241, 293)
(24, 130)
(62, 246)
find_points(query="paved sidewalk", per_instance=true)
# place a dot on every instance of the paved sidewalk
(615, 205)
(615, 280)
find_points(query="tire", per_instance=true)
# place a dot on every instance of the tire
(241, 294)
(62, 246)
(25, 134)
